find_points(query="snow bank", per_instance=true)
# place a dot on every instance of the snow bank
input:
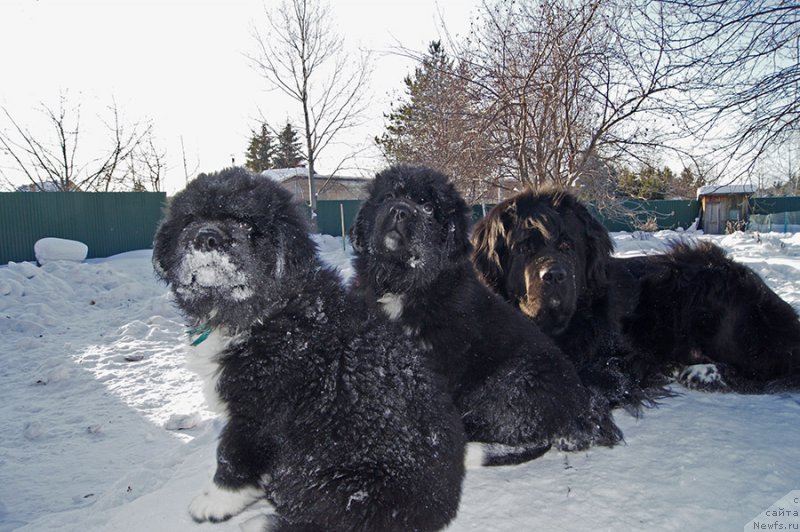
(105, 429)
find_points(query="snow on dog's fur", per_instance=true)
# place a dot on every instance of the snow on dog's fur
(514, 387)
(332, 415)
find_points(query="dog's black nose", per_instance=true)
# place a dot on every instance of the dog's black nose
(400, 211)
(555, 274)
(208, 238)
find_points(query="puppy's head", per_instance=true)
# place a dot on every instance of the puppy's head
(228, 244)
(413, 225)
(543, 252)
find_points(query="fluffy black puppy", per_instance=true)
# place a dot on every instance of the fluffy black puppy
(511, 383)
(331, 415)
(639, 320)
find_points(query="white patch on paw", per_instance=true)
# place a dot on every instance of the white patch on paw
(702, 376)
(392, 305)
(474, 455)
(217, 504)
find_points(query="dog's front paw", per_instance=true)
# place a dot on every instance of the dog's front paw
(703, 377)
(218, 504)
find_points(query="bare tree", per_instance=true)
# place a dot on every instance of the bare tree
(53, 162)
(302, 56)
(747, 57)
(567, 85)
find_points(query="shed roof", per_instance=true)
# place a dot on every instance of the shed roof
(724, 190)
(285, 174)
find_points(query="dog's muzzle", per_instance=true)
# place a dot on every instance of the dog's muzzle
(396, 220)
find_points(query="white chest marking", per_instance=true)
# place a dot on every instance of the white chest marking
(203, 359)
(392, 305)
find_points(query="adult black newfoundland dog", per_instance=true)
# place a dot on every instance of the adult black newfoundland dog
(331, 415)
(515, 389)
(690, 313)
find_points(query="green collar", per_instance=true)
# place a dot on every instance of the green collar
(199, 333)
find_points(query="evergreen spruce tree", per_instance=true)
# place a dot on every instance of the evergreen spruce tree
(649, 183)
(288, 152)
(261, 151)
(436, 124)
(412, 122)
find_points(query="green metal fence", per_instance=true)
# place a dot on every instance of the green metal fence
(775, 214)
(667, 214)
(114, 222)
(107, 222)
(331, 214)
(774, 205)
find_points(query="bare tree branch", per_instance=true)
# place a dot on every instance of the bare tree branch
(304, 58)
(52, 162)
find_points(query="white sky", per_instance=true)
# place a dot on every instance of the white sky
(182, 64)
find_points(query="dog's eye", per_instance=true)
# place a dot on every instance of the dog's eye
(427, 208)
(525, 247)
(386, 197)
(565, 246)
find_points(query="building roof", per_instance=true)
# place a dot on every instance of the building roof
(723, 190)
(285, 174)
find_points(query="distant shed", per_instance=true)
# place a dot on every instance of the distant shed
(723, 205)
(327, 187)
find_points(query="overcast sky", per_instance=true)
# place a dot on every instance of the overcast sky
(182, 64)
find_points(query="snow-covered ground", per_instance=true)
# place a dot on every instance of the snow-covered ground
(104, 429)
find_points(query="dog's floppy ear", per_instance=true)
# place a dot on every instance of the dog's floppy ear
(598, 246)
(358, 231)
(457, 240)
(489, 245)
(164, 241)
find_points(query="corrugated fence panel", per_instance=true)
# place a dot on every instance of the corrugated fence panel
(774, 205)
(329, 215)
(115, 222)
(107, 222)
(668, 214)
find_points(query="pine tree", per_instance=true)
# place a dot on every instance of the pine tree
(288, 152)
(435, 124)
(261, 151)
(412, 125)
(649, 183)
(686, 185)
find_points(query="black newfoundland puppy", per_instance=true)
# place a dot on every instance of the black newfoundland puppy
(691, 313)
(515, 389)
(331, 416)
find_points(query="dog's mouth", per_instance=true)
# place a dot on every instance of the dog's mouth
(393, 240)
(551, 316)
(198, 284)
(204, 274)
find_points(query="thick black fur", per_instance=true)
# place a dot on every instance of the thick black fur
(332, 414)
(647, 317)
(696, 306)
(547, 255)
(511, 383)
